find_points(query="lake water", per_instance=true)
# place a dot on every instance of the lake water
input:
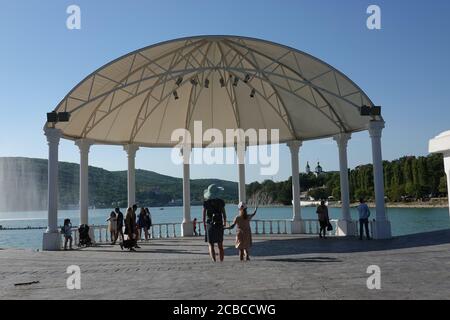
(403, 220)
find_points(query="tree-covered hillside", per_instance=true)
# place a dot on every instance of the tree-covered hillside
(23, 186)
(408, 178)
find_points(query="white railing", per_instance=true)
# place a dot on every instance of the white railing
(272, 226)
(371, 228)
(258, 227)
(312, 226)
(156, 231)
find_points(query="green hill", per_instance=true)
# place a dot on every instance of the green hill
(23, 186)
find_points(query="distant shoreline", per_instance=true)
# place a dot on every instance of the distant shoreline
(406, 205)
(402, 205)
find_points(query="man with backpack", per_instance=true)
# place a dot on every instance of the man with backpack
(214, 220)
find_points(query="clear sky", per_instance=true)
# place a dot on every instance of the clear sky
(404, 67)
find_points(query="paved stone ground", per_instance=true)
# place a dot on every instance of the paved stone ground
(282, 267)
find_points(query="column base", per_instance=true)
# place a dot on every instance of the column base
(297, 226)
(381, 229)
(187, 229)
(345, 228)
(51, 241)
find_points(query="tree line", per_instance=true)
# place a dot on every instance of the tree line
(405, 179)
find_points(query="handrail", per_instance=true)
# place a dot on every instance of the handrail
(258, 226)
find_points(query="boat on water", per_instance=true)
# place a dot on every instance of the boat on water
(309, 203)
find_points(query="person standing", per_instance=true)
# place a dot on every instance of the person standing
(364, 214)
(143, 224)
(136, 228)
(112, 226)
(243, 231)
(148, 220)
(194, 225)
(214, 219)
(324, 220)
(119, 216)
(130, 230)
(66, 230)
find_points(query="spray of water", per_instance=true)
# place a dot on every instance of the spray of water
(23, 184)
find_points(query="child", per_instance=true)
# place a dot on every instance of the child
(243, 231)
(66, 230)
(194, 223)
(112, 226)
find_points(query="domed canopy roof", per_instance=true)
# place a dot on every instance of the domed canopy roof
(227, 82)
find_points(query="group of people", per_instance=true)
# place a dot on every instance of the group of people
(135, 226)
(214, 220)
(325, 225)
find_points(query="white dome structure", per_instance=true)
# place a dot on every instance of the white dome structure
(227, 82)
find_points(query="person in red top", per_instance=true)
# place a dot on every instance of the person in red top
(194, 223)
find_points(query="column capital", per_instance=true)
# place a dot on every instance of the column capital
(294, 145)
(375, 128)
(185, 153)
(131, 149)
(84, 145)
(53, 135)
(342, 138)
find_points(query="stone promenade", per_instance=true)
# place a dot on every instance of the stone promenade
(282, 267)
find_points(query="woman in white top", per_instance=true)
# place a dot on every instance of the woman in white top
(112, 226)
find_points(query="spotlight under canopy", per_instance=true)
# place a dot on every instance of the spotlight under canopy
(132, 99)
(54, 117)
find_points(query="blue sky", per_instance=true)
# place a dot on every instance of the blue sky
(404, 67)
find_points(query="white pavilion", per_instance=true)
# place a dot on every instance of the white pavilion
(227, 82)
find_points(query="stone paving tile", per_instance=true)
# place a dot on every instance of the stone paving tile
(282, 267)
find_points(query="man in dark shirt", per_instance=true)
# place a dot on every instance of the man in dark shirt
(214, 220)
(119, 224)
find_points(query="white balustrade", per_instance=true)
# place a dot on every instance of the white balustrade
(269, 226)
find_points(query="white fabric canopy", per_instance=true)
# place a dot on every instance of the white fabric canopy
(132, 99)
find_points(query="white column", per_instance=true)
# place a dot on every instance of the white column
(240, 151)
(345, 227)
(187, 228)
(297, 224)
(446, 156)
(382, 225)
(441, 144)
(131, 150)
(84, 145)
(52, 237)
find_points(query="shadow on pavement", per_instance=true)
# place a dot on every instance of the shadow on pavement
(279, 247)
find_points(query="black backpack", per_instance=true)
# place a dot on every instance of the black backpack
(217, 219)
(215, 211)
